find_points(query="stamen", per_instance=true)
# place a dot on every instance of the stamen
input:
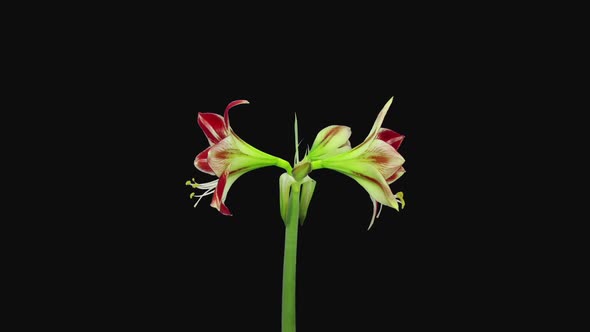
(209, 188)
(206, 193)
(191, 183)
(207, 185)
(380, 208)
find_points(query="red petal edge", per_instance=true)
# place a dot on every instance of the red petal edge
(396, 175)
(217, 201)
(201, 162)
(390, 137)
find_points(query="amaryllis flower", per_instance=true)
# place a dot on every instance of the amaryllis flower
(374, 164)
(228, 157)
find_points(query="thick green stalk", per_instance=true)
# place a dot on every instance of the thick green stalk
(290, 261)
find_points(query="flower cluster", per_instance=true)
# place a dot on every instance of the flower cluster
(375, 163)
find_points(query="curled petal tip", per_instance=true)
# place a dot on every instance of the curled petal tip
(236, 103)
(229, 106)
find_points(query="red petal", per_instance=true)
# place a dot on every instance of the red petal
(201, 162)
(229, 106)
(213, 126)
(217, 201)
(390, 137)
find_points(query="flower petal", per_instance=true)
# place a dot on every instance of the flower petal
(361, 148)
(226, 180)
(390, 137)
(201, 162)
(368, 177)
(400, 171)
(241, 155)
(229, 106)
(213, 127)
(329, 141)
(384, 157)
(220, 193)
(220, 155)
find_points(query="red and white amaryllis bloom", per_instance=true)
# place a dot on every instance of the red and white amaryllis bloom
(374, 164)
(228, 157)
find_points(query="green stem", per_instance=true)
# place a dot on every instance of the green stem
(282, 163)
(290, 261)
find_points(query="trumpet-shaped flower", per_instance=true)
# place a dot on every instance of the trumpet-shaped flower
(374, 164)
(228, 157)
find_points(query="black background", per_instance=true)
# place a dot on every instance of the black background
(110, 237)
(193, 264)
(140, 250)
